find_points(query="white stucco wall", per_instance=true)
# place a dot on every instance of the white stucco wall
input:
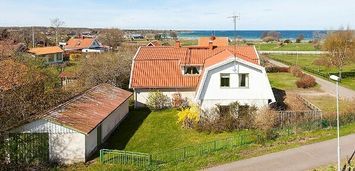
(112, 121)
(141, 95)
(65, 145)
(257, 93)
(90, 142)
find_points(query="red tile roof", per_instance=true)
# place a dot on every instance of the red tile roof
(216, 41)
(85, 112)
(79, 43)
(161, 67)
(154, 43)
(46, 50)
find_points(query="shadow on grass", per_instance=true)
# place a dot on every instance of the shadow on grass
(125, 131)
(280, 96)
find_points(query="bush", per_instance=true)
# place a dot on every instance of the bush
(277, 69)
(227, 118)
(177, 101)
(189, 117)
(306, 81)
(287, 41)
(157, 100)
(296, 71)
(266, 119)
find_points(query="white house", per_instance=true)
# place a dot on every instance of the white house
(207, 75)
(77, 127)
(84, 44)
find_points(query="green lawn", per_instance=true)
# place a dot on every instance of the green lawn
(307, 61)
(285, 47)
(145, 131)
(159, 131)
(285, 81)
(282, 80)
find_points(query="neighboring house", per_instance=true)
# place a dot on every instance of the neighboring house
(135, 36)
(207, 75)
(51, 54)
(216, 41)
(154, 43)
(79, 126)
(84, 44)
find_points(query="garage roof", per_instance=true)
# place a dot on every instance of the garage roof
(86, 111)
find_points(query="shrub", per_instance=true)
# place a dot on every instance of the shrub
(287, 41)
(177, 101)
(296, 71)
(266, 119)
(157, 100)
(227, 118)
(189, 117)
(277, 69)
(306, 81)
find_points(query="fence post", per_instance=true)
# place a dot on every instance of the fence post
(101, 156)
(149, 159)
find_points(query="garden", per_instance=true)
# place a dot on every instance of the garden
(174, 140)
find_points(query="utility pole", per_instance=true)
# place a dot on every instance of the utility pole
(33, 38)
(235, 18)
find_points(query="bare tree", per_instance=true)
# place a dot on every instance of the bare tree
(111, 37)
(341, 46)
(112, 68)
(56, 23)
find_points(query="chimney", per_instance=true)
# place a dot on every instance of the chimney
(177, 44)
(210, 45)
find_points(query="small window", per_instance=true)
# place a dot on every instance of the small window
(50, 58)
(59, 57)
(225, 80)
(243, 80)
(191, 70)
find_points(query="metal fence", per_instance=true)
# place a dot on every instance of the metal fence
(125, 157)
(25, 148)
(178, 154)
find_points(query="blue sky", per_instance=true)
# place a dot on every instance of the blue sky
(182, 14)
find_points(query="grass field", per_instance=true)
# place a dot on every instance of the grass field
(285, 47)
(285, 81)
(282, 80)
(307, 61)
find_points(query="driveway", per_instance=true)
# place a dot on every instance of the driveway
(325, 85)
(302, 158)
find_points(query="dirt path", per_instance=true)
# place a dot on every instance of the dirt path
(325, 85)
(302, 158)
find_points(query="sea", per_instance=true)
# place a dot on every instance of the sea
(251, 34)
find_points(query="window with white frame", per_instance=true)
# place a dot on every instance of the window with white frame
(243, 80)
(225, 80)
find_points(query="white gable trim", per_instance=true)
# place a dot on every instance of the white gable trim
(132, 67)
(257, 54)
(229, 60)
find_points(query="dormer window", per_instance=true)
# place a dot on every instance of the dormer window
(191, 70)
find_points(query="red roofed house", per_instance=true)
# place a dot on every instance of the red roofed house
(84, 44)
(77, 127)
(51, 54)
(207, 75)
